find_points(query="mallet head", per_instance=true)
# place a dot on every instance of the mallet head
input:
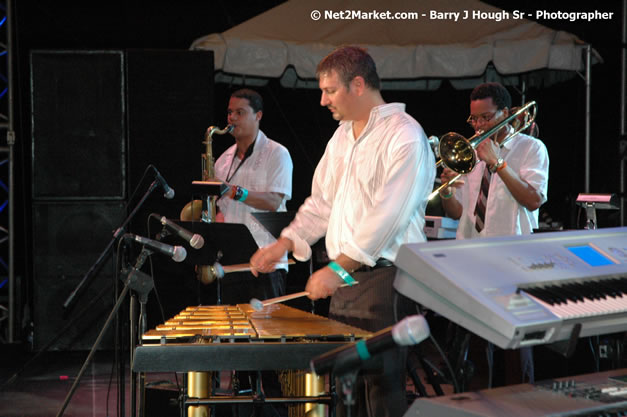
(256, 304)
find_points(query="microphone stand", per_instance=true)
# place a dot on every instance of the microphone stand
(135, 280)
(141, 289)
(82, 285)
(139, 380)
(71, 300)
(347, 382)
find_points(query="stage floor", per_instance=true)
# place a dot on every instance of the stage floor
(41, 388)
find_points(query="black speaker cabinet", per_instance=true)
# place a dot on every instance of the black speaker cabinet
(67, 240)
(90, 108)
(78, 128)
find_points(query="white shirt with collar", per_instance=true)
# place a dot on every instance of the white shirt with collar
(504, 216)
(267, 169)
(368, 194)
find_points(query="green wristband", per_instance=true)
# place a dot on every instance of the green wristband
(362, 350)
(447, 196)
(341, 272)
(240, 193)
(244, 194)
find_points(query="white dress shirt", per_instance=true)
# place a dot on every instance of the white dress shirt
(267, 169)
(504, 216)
(369, 193)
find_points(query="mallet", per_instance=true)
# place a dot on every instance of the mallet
(258, 305)
(209, 273)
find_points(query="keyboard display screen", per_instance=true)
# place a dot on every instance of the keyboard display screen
(590, 255)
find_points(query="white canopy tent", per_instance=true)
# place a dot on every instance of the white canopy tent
(415, 52)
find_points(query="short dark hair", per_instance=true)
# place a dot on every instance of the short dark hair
(499, 94)
(253, 97)
(350, 62)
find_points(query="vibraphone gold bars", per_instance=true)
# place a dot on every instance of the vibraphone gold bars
(207, 338)
(202, 321)
(215, 338)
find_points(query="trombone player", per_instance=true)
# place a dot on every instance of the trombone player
(502, 195)
(516, 181)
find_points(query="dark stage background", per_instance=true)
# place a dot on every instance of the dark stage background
(170, 136)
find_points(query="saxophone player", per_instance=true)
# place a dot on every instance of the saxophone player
(258, 172)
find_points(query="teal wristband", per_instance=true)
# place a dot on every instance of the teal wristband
(447, 196)
(341, 272)
(244, 194)
(240, 193)
(362, 350)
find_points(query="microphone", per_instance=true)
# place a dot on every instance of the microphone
(168, 192)
(195, 240)
(409, 331)
(177, 253)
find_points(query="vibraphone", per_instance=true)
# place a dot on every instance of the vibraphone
(215, 338)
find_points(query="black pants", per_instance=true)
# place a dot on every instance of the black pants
(371, 306)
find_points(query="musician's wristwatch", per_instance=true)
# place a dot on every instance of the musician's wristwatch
(495, 167)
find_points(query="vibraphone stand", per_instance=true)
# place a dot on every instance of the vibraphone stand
(229, 244)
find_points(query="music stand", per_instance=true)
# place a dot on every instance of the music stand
(232, 240)
(592, 202)
(275, 222)
(225, 243)
(213, 187)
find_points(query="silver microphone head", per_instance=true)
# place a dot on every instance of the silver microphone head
(179, 254)
(411, 330)
(169, 194)
(434, 143)
(196, 241)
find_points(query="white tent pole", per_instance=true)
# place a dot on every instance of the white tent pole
(587, 150)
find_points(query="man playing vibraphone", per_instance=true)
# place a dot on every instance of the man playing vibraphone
(369, 195)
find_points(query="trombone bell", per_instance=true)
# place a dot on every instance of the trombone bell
(457, 153)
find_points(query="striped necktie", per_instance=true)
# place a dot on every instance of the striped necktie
(482, 200)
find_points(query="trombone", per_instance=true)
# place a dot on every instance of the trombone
(458, 153)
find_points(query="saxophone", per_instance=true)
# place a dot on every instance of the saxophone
(208, 168)
(194, 211)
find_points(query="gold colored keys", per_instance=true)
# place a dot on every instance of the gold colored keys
(223, 321)
(276, 321)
